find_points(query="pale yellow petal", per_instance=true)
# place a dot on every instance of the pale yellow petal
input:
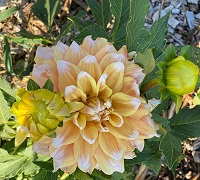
(98, 44)
(87, 44)
(89, 64)
(67, 74)
(126, 131)
(43, 54)
(60, 51)
(67, 134)
(75, 53)
(20, 137)
(79, 120)
(115, 72)
(69, 169)
(111, 58)
(111, 145)
(139, 143)
(86, 83)
(124, 104)
(115, 119)
(90, 133)
(72, 93)
(75, 106)
(130, 87)
(83, 153)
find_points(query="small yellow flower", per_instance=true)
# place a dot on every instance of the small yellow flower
(38, 113)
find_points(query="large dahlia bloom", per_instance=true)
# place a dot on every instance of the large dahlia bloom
(109, 118)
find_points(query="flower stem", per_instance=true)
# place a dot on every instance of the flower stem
(151, 84)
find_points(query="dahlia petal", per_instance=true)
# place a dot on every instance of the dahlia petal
(139, 144)
(111, 58)
(145, 128)
(103, 90)
(67, 74)
(75, 53)
(42, 145)
(79, 120)
(105, 50)
(64, 111)
(72, 93)
(34, 131)
(111, 145)
(135, 71)
(75, 106)
(126, 131)
(69, 169)
(115, 119)
(87, 44)
(86, 83)
(98, 44)
(59, 51)
(107, 164)
(124, 104)
(89, 64)
(130, 87)
(20, 136)
(83, 153)
(90, 133)
(67, 134)
(43, 54)
(115, 72)
(124, 51)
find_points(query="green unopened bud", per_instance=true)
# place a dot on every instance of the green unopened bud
(180, 76)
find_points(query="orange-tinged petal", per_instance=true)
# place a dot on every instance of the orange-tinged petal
(111, 58)
(105, 50)
(130, 87)
(90, 133)
(83, 153)
(43, 54)
(115, 72)
(124, 104)
(107, 164)
(115, 119)
(67, 134)
(59, 51)
(126, 131)
(79, 120)
(87, 44)
(98, 44)
(20, 136)
(69, 169)
(72, 93)
(75, 53)
(111, 145)
(139, 144)
(86, 83)
(67, 74)
(89, 64)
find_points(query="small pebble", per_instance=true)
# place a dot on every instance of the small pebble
(197, 16)
(177, 35)
(162, 13)
(176, 11)
(190, 19)
(193, 1)
(170, 7)
(173, 22)
(156, 16)
(171, 30)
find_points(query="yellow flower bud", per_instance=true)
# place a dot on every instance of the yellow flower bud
(180, 76)
(40, 111)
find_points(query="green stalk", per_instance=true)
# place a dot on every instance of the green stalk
(151, 84)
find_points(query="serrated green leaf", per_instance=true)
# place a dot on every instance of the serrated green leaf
(146, 60)
(11, 165)
(185, 52)
(66, 29)
(48, 85)
(161, 120)
(79, 175)
(7, 56)
(44, 164)
(45, 175)
(186, 123)
(170, 53)
(46, 11)
(163, 106)
(3, 152)
(8, 12)
(32, 85)
(5, 86)
(150, 156)
(120, 9)
(138, 12)
(171, 148)
(4, 109)
(195, 55)
(157, 37)
(94, 30)
(81, 24)
(101, 11)
(7, 132)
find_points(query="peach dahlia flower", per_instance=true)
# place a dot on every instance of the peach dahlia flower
(109, 118)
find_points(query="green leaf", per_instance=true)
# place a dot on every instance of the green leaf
(146, 60)
(45, 175)
(7, 56)
(65, 30)
(7, 132)
(186, 51)
(186, 124)
(32, 85)
(81, 24)
(94, 30)
(170, 53)
(150, 156)
(4, 109)
(80, 175)
(138, 12)
(171, 148)
(5, 86)
(120, 9)
(8, 12)
(158, 33)
(195, 55)
(48, 85)
(101, 11)
(161, 120)
(11, 165)
(46, 11)
(44, 164)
